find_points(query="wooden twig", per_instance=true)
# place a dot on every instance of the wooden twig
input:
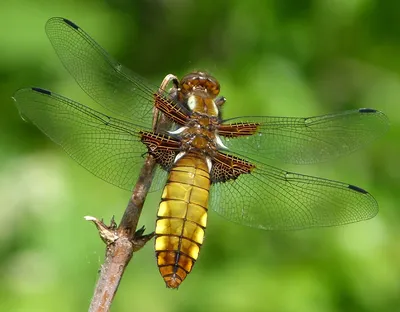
(121, 241)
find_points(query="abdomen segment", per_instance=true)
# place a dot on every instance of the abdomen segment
(182, 219)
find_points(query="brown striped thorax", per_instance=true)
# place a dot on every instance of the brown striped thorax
(203, 161)
(198, 92)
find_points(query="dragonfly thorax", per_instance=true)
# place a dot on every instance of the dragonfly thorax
(199, 135)
(202, 105)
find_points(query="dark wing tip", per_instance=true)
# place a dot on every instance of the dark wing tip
(41, 91)
(383, 119)
(367, 110)
(73, 25)
(58, 20)
(357, 189)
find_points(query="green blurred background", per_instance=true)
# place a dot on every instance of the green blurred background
(279, 57)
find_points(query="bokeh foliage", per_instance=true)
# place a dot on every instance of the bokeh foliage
(273, 57)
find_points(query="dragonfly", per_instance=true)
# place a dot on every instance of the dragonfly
(203, 161)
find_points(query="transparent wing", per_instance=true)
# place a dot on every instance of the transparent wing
(107, 147)
(159, 180)
(273, 199)
(99, 75)
(308, 140)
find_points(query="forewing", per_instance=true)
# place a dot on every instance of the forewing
(107, 147)
(308, 140)
(273, 199)
(99, 75)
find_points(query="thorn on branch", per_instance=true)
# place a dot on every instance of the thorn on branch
(139, 240)
(107, 233)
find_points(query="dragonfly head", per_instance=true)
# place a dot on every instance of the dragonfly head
(198, 90)
(199, 84)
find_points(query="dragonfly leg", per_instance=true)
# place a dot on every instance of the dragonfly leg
(161, 90)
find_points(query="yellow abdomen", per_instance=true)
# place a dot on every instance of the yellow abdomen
(182, 218)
